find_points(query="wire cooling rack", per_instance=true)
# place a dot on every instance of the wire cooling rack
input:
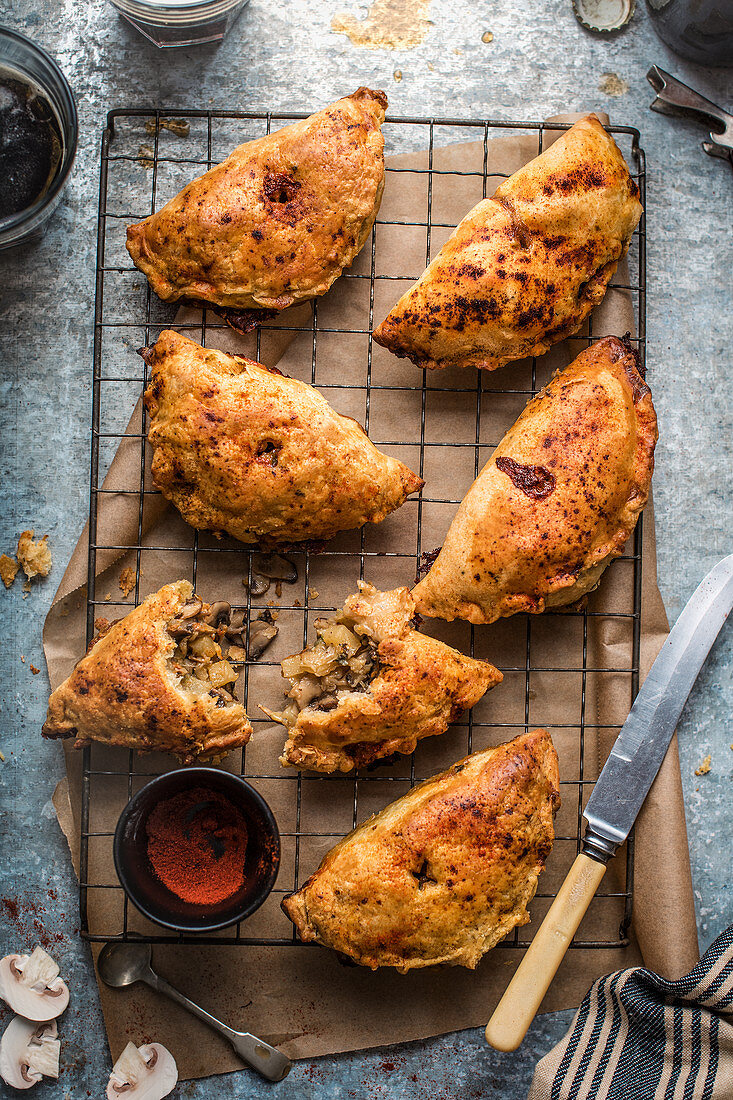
(144, 163)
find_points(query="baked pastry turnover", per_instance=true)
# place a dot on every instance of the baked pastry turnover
(156, 680)
(525, 267)
(279, 220)
(372, 685)
(244, 450)
(444, 873)
(558, 498)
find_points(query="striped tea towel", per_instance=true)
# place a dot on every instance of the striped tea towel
(638, 1037)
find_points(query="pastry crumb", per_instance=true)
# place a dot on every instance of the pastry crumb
(127, 580)
(22, 658)
(8, 569)
(34, 555)
(108, 597)
(705, 766)
(34, 670)
(2, 757)
(487, 37)
(313, 594)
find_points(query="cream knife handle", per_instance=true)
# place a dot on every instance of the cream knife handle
(523, 996)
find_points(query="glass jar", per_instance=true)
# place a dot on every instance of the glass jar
(700, 30)
(24, 61)
(181, 22)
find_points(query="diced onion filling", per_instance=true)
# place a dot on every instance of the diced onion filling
(341, 661)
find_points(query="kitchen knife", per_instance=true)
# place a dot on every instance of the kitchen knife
(617, 798)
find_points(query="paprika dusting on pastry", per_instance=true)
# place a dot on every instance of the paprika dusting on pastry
(197, 843)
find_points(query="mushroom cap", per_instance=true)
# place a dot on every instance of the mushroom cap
(35, 1001)
(15, 1048)
(143, 1073)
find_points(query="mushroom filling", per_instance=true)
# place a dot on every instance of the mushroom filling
(199, 631)
(343, 660)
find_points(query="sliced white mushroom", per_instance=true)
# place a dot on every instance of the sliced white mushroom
(143, 1073)
(28, 1052)
(32, 987)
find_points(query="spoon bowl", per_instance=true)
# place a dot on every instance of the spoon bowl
(121, 964)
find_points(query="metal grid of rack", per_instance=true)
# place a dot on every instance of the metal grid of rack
(137, 195)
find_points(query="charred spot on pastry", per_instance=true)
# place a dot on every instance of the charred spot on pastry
(270, 450)
(422, 876)
(280, 187)
(534, 481)
(244, 320)
(427, 560)
(147, 354)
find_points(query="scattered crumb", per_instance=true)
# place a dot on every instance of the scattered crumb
(705, 766)
(2, 757)
(26, 588)
(274, 615)
(313, 594)
(127, 580)
(297, 603)
(35, 557)
(612, 84)
(108, 597)
(397, 75)
(22, 658)
(8, 569)
(34, 670)
(145, 155)
(177, 126)
(487, 36)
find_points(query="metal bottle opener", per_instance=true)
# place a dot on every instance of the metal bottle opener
(675, 98)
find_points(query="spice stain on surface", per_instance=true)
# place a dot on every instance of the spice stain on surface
(612, 84)
(389, 24)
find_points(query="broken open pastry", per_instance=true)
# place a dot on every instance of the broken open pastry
(371, 685)
(558, 498)
(444, 873)
(279, 220)
(525, 267)
(245, 450)
(157, 679)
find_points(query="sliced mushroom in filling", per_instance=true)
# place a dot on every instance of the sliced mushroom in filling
(198, 660)
(343, 660)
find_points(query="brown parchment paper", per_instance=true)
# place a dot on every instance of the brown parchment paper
(302, 998)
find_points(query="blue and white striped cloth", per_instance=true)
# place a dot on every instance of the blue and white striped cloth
(639, 1037)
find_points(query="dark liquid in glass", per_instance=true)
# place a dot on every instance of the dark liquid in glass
(31, 144)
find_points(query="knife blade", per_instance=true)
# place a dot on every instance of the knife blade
(640, 747)
(617, 797)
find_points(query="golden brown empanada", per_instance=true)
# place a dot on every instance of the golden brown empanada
(558, 498)
(372, 685)
(444, 873)
(279, 220)
(246, 450)
(156, 680)
(525, 267)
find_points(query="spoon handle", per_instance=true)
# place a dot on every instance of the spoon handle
(267, 1060)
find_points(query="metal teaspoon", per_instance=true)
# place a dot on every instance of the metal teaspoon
(121, 964)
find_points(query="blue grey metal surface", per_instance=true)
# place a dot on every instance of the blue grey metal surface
(286, 57)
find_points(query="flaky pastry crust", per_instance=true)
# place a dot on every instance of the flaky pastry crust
(525, 267)
(279, 220)
(420, 686)
(558, 498)
(125, 692)
(444, 873)
(245, 450)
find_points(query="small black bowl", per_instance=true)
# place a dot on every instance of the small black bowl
(152, 897)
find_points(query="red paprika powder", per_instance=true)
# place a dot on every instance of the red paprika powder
(197, 841)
